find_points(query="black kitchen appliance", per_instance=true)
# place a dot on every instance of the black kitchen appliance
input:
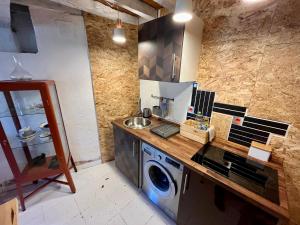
(250, 174)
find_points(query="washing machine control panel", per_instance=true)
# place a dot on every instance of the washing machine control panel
(148, 149)
(160, 157)
(172, 162)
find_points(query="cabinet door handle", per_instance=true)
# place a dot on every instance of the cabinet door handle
(185, 183)
(173, 67)
(133, 149)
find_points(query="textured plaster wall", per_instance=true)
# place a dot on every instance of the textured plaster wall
(251, 57)
(114, 74)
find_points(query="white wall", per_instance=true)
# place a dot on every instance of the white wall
(63, 57)
(181, 92)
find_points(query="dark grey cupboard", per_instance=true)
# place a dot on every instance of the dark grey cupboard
(203, 202)
(168, 51)
(127, 154)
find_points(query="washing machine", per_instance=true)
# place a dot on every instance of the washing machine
(162, 178)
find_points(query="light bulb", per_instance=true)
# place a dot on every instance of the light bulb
(183, 11)
(119, 33)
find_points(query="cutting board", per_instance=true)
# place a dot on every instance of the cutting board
(222, 124)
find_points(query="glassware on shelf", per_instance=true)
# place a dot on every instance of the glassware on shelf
(17, 143)
(22, 103)
(45, 131)
(26, 132)
(19, 73)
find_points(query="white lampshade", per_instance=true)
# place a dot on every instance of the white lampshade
(119, 35)
(183, 11)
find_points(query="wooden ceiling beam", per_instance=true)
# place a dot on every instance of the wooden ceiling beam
(116, 7)
(168, 4)
(99, 9)
(131, 11)
(137, 7)
(153, 4)
(110, 13)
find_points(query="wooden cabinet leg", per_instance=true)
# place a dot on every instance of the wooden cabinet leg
(73, 164)
(70, 180)
(21, 197)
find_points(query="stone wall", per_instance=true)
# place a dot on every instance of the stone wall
(251, 57)
(114, 74)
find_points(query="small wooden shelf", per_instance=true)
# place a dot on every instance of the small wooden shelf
(30, 173)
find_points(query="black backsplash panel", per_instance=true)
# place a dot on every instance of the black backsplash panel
(232, 110)
(266, 125)
(244, 135)
(202, 101)
(251, 129)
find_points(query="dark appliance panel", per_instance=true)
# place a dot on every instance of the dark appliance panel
(252, 175)
(203, 202)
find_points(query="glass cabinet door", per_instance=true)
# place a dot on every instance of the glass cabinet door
(25, 124)
(60, 122)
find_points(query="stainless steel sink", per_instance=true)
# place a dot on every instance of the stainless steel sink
(137, 123)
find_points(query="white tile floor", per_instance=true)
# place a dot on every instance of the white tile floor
(103, 197)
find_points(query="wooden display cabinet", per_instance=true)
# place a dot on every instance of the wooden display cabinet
(30, 104)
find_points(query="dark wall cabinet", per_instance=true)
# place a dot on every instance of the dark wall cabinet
(127, 154)
(203, 202)
(169, 51)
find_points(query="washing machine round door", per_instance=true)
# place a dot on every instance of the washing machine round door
(160, 179)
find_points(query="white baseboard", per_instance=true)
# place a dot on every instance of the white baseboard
(85, 165)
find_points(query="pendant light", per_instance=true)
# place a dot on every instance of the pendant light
(118, 32)
(183, 11)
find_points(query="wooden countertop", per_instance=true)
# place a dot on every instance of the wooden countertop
(183, 149)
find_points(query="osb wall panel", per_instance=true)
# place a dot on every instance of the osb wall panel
(114, 74)
(251, 57)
